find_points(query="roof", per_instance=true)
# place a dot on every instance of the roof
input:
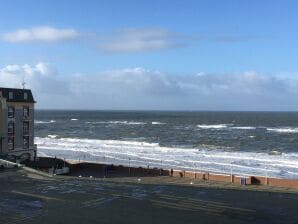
(18, 95)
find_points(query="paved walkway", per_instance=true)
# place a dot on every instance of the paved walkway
(31, 197)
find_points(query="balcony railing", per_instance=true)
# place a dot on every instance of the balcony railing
(26, 117)
(10, 131)
(11, 119)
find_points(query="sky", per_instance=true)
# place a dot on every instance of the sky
(152, 55)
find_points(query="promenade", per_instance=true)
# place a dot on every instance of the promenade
(29, 196)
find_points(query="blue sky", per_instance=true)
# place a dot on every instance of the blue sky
(172, 40)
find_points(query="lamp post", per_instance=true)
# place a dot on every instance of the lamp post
(129, 170)
(232, 178)
(266, 173)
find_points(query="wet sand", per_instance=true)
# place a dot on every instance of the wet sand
(29, 197)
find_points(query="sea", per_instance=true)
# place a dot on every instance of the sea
(241, 143)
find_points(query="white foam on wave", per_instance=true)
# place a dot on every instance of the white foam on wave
(212, 126)
(283, 130)
(52, 136)
(156, 122)
(145, 153)
(224, 126)
(116, 122)
(73, 119)
(244, 128)
(44, 122)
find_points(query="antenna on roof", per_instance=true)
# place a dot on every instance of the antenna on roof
(24, 84)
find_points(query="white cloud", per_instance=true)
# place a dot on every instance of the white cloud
(42, 78)
(40, 34)
(140, 40)
(139, 88)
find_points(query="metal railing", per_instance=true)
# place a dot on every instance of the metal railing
(9, 164)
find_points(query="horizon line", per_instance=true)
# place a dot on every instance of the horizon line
(161, 110)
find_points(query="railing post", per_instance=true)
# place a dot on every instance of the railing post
(129, 170)
(266, 181)
(232, 176)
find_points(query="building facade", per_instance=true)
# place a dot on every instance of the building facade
(17, 124)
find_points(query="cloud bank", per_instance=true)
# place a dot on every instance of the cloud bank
(139, 88)
(127, 40)
(40, 34)
(122, 41)
(140, 40)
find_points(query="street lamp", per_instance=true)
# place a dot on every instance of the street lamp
(232, 172)
(129, 170)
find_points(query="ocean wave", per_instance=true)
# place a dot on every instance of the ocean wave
(212, 126)
(74, 119)
(283, 130)
(224, 126)
(144, 153)
(116, 122)
(136, 139)
(244, 127)
(156, 122)
(44, 122)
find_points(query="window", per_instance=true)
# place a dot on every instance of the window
(26, 142)
(25, 95)
(25, 112)
(11, 112)
(10, 128)
(26, 128)
(10, 95)
(10, 143)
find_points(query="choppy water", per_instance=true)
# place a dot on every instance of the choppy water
(248, 143)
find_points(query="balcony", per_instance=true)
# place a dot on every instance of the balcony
(26, 128)
(11, 119)
(26, 118)
(10, 135)
(10, 132)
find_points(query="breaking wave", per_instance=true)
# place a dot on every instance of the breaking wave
(204, 158)
(244, 128)
(224, 126)
(44, 122)
(212, 126)
(116, 122)
(283, 130)
(156, 122)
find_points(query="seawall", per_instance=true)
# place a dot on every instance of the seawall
(109, 170)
